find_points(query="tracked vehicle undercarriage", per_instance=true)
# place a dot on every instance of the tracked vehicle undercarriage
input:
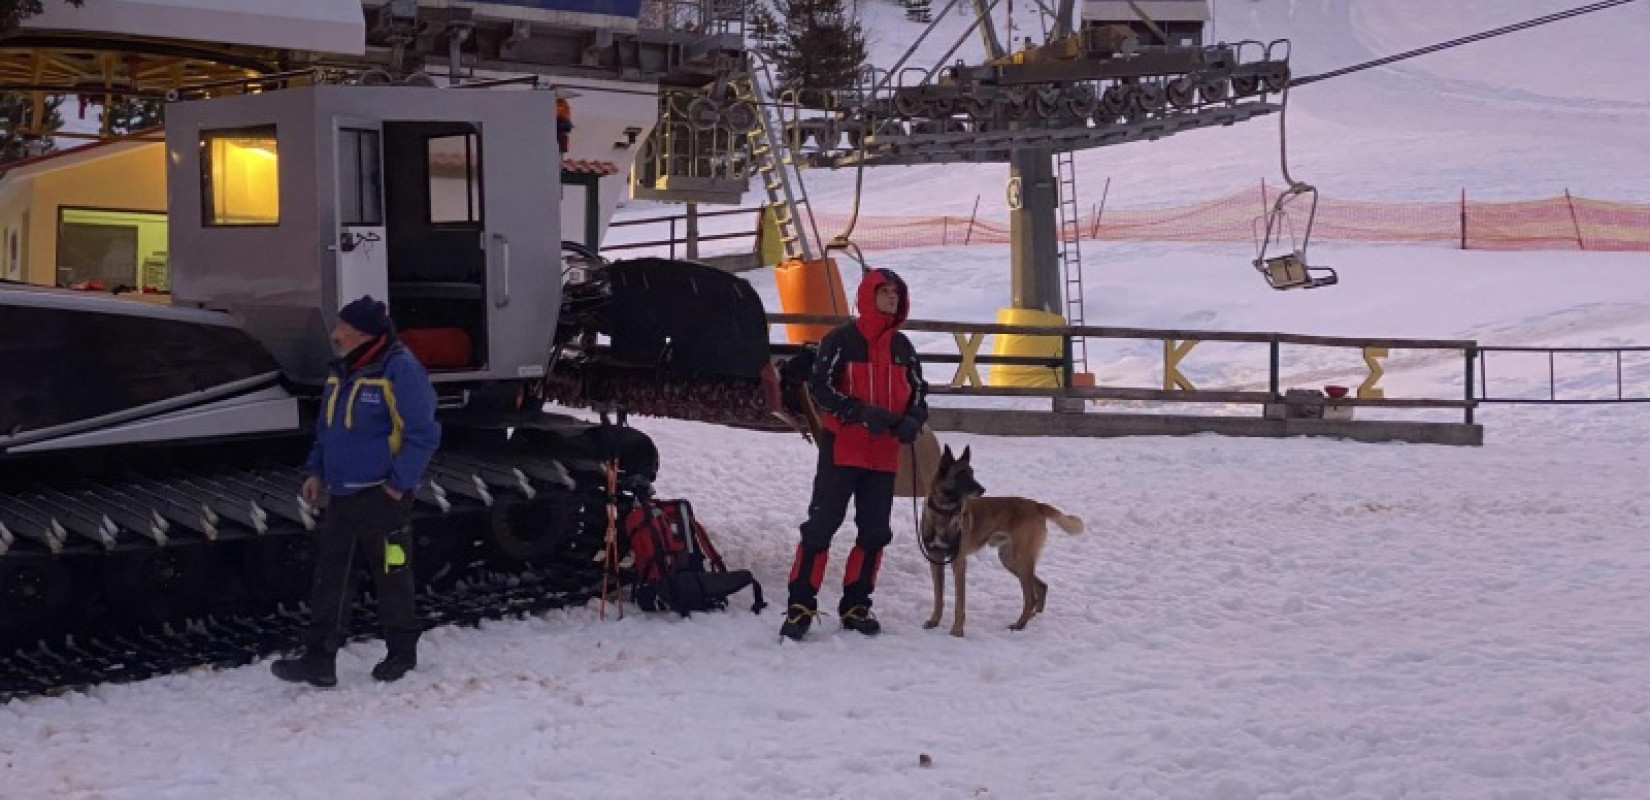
(150, 455)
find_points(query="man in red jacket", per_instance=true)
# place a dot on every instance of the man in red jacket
(867, 381)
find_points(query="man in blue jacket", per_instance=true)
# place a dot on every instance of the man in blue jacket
(374, 437)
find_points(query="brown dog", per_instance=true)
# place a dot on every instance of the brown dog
(957, 521)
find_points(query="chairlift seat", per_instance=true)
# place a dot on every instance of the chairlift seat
(1290, 271)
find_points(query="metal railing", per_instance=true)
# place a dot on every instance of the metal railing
(1552, 353)
(683, 231)
(1177, 344)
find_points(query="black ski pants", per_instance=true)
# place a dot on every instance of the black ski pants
(873, 495)
(372, 522)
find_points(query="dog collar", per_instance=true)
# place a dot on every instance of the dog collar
(943, 508)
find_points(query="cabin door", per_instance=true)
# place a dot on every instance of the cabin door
(363, 259)
(437, 245)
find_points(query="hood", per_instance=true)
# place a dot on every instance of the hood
(873, 323)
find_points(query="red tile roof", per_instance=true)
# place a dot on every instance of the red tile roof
(599, 168)
(454, 163)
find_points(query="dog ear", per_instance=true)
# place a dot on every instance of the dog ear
(964, 459)
(946, 459)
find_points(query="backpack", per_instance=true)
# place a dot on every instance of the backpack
(677, 568)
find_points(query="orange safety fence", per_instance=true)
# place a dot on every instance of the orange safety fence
(1556, 223)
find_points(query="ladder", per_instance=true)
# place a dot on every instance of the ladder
(1071, 254)
(776, 166)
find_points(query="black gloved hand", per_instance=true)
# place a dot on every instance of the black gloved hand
(876, 418)
(907, 429)
(850, 413)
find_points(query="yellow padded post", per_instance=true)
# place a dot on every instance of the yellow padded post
(1037, 346)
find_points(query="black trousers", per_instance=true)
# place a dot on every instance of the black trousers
(873, 495)
(375, 524)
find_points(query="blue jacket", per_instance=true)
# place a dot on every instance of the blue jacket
(376, 424)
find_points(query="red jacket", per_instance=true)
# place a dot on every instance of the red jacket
(868, 362)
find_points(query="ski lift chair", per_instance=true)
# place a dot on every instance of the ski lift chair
(850, 250)
(1290, 270)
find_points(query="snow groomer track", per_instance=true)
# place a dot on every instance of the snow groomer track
(112, 581)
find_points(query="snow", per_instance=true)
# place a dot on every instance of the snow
(1242, 619)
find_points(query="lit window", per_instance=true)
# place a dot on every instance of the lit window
(455, 185)
(240, 177)
(111, 250)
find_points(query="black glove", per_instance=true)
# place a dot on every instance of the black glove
(876, 418)
(907, 429)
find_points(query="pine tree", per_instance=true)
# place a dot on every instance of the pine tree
(13, 12)
(17, 118)
(669, 16)
(17, 110)
(820, 47)
(130, 114)
(765, 28)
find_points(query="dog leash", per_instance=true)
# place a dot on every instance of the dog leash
(916, 518)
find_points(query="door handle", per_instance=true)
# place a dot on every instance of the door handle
(504, 270)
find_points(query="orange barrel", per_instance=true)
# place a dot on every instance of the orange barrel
(1019, 345)
(810, 287)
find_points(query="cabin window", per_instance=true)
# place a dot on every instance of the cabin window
(240, 177)
(111, 250)
(455, 179)
(360, 178)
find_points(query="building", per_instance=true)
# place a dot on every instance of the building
(1182, 20)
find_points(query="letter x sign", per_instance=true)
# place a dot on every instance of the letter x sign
(969, 346)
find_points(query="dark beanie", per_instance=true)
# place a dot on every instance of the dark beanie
(366, 315)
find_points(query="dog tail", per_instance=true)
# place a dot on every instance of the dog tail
(1067, 522)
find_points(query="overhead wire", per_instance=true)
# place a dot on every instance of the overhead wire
(1477, 37)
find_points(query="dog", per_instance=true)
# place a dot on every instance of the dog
(958, 520)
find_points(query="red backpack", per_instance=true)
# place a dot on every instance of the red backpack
(677, 568)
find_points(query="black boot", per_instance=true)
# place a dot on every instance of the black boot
(807, 571)
(858, 581)
(859, 619)
(401, 659)
(797, 620)
(316, 667)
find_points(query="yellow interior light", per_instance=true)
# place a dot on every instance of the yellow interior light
(246, 188)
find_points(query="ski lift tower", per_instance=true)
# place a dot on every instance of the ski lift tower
(1131, 71)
